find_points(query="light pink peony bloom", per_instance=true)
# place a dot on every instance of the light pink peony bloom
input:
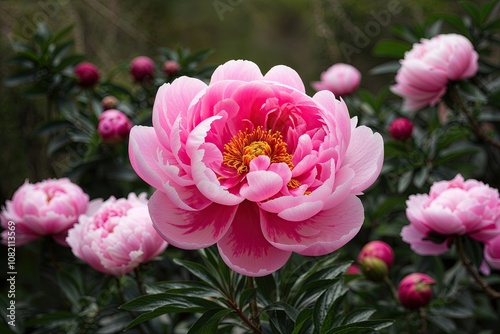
(492, 252)
(340, 79)
(114, 126)
(49, 207)
(452, 208)
(415, 290)
(252, 163)
(116, 235)
(428, 67)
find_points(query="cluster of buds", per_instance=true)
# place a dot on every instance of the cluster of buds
(376, 259)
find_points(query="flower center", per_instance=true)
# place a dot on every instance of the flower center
(245, 146)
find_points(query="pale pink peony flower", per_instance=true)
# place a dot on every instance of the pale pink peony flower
(116, 235)
(114, 126)
(142, 68)
(452, 208)
(49, 207)
(492, 252)
(401, 128)
(87, 74)
(428, 67)
(252, 163)
(415, 290)
(340, 79)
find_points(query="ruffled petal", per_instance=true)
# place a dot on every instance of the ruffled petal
(242, 70)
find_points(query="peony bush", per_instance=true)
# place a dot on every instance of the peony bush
(360, 207)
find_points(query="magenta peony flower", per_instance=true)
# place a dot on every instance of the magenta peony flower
(340, 79)
(415, 290)
(492, 252)
(171, 67)
(142, 68)
(116, 236)
(252, 163)
(87, 74)
(401, 128)
(114, 126)
(452, 208)
(428, 67)
(49, 207)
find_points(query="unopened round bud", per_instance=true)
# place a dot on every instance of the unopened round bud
(401, 128)
(415, 290)
(87, 74)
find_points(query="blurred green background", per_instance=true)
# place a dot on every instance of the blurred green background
(308, 36)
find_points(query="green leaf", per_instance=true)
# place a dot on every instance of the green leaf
(456, 22)
(473, 12)
(389, 67)
(208, 323)
(54, 319)
(445, 324)
(58, 143)
(200, 271)
(20, 78)
(358, 315)
(266, 286)
(70, 287)
(361, 327)
(434, 29)
(391, 48)
(405, 181)
(62, 33)
(325, 302)
(152, 302)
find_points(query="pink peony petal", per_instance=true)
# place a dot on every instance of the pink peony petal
(261, 185)
(189, 229)
(323, 233)
(365, 155)
(242, 70)
(245, 250)
(287, 76)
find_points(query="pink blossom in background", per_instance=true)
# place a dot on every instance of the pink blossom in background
(142, 68)
(492, 252)
(116, 235)
(252, 163)
(401, 128)
(114, 126)
(415, 290)
(452, 208)
(49, 207)
(171, 67)
(340, 79)
(87, 74)
(428, 67)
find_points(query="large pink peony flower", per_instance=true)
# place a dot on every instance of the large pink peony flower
(116, 236)
(252, 163)
(49, 207)
(340, 79)
(428, 67)
(452, 208)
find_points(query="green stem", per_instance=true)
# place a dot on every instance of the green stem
(138, 280)
(234, 306)
(392, 287)
(423, 321)
(254, 310)
(473, 123)
(470, 268)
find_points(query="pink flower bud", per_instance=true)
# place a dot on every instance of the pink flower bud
(114, 126)
(353, 270)
(415, 290)
(401, 128)
(171, 67)
(142, 68)
(109, 102)
(340, 79)
(87, 74)
(375, 259)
